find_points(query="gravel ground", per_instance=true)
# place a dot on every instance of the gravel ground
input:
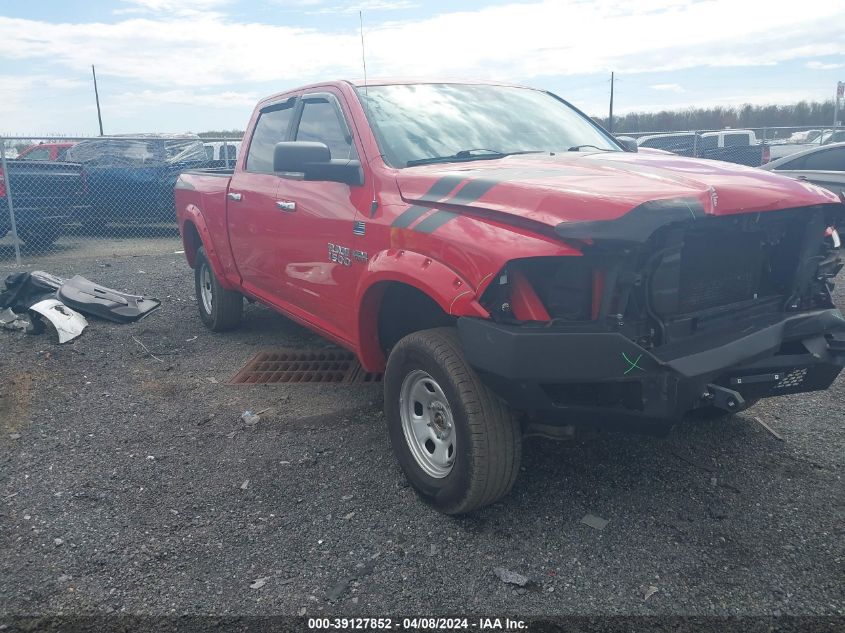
(129, 484)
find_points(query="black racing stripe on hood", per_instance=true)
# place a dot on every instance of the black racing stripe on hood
(434, 221)
(444, 185)
(638, 224)
(472, 191)
(409, 216)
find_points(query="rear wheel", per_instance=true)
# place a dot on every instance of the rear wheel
(458, 444)
(220, 309)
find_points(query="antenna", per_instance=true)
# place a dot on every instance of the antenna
(97, 98)
(363, 56)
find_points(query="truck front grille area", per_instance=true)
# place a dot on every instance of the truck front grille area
(719, 273)
(688, 278)
(723, 263)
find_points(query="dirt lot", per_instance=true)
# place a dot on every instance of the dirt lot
(129, 484)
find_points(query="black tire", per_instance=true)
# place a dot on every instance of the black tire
(714, 413)
(40, 236)
(226, 307)
(488, 439)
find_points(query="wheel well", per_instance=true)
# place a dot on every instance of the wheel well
(191, 240)
(404, 310)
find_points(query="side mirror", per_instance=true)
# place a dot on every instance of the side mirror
(628, 143)
(314, 161)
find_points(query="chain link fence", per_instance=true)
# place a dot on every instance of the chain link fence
(88, 197)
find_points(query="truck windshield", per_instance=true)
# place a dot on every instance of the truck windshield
(417, 122)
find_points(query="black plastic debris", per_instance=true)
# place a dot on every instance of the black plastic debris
(85, 296)
(23, 290)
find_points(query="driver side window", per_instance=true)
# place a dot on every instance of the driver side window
(321, 122)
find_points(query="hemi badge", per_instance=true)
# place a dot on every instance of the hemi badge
(359, 228)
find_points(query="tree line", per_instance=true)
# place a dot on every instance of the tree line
(803, 113)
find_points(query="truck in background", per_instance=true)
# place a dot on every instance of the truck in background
(733, 146)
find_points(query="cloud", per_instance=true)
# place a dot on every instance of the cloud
(369, 5)
(160, 54)
(667, 87)
(176, 7)
(816, 65)
(511, 41)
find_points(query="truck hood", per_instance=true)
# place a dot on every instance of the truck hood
(575, 188)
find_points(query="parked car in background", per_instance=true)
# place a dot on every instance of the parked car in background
(837, 136)
(733, 146)
(803, 136)
(45, 196)
(809, 139)
(222, 154)
(46, 151)
(821, 165)
(131, 178)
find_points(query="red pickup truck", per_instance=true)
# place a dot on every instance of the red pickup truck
(509, 265)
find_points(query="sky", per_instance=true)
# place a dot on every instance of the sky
(197, 65)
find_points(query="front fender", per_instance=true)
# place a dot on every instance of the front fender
(447, 288)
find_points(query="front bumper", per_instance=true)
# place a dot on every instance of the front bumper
(548, 372)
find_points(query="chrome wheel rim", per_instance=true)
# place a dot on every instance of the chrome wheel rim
(205, 288)
(427, 424)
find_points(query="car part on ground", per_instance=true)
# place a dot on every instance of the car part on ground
(38, 294)
(112, 305)
(68, 323)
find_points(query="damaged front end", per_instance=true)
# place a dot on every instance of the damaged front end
(667, 310)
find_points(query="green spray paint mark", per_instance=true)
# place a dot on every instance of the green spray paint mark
(633, 364)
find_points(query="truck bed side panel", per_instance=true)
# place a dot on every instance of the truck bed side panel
(206, 192)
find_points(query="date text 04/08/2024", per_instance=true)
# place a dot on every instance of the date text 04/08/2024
(416, 624)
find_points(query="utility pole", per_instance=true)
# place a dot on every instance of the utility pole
(610, 117)
(97, 97)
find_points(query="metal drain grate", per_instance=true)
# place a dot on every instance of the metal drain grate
(284, 365)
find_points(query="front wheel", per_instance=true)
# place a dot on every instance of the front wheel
(220, 309)
(458, 444)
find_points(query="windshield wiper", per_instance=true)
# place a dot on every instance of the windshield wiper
(577, 148)
(480, 153)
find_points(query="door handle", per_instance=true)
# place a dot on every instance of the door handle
(234, 197)
(286, 205)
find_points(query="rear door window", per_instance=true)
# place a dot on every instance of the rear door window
(271, 128)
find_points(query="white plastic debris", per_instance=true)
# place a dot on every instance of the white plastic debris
(250, 418)
(260, 582)
(650, 592)
(597, 523)
(510, 577)
(11, 321)
(68, 323)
